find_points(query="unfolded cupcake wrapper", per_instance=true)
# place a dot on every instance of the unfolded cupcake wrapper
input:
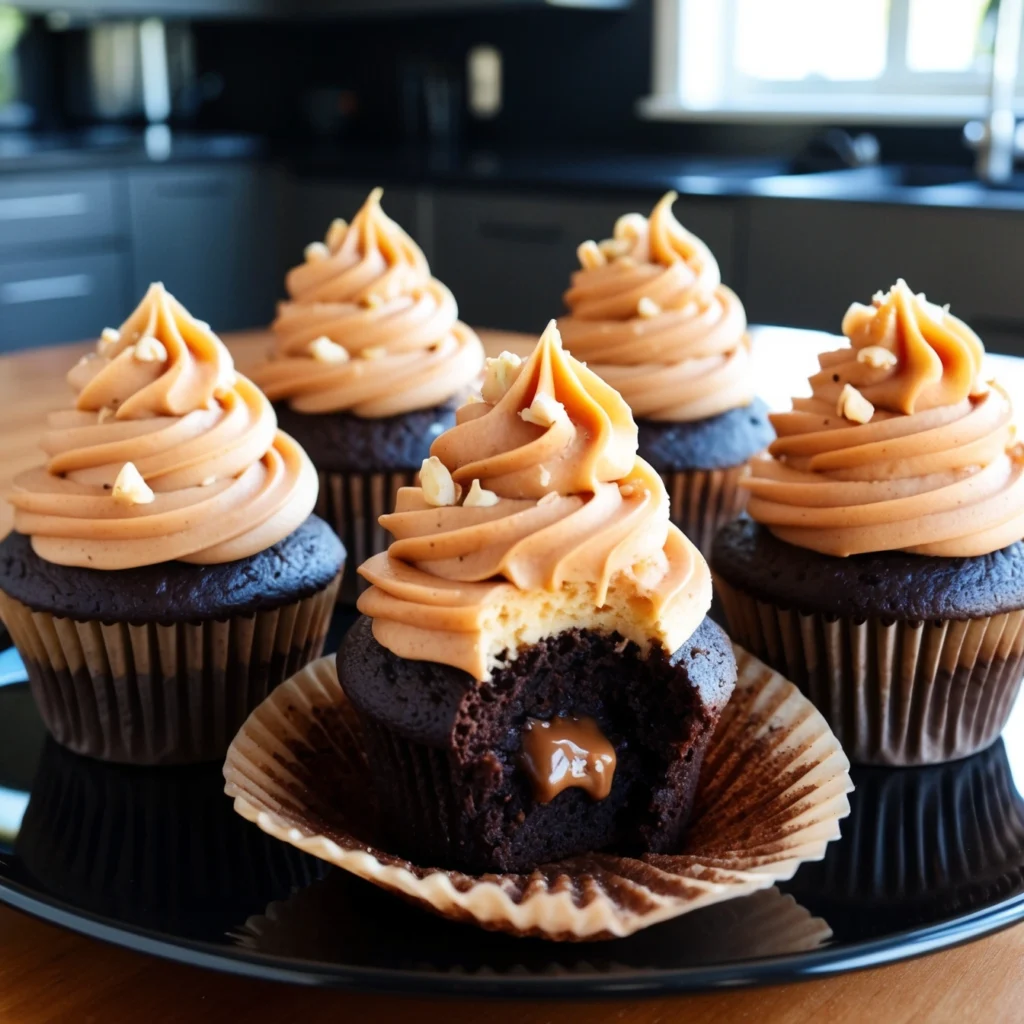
(154, 694)
(702, 500)
(896, 693)
(772, 793)
(352, 503)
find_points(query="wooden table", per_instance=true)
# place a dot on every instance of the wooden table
(47, 974)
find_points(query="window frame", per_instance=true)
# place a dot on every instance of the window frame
(717, 90)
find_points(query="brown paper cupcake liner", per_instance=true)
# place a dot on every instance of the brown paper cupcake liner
(896, 693)
(772, 792)
(352, 503)
(702, 500)
(155, 694)
(339, 919)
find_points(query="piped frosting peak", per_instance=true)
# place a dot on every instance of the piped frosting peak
(901, 445)
(168, 454)
(908, 355)
(534, 516)
(649, 312)
(367, 329)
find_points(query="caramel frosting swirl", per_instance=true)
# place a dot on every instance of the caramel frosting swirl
(534, 516)
(902, 446)
(167, 455)
(649, 312)
(367, 330)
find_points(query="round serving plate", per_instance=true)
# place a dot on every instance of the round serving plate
(157, 860)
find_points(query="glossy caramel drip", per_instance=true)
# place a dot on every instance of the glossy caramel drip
(566, 753)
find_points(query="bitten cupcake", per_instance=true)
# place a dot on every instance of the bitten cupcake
(649, 313)
(369, 363)
(534, 670)
(882, 568)
(164, 573)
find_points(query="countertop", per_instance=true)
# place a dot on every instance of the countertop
(546, 170)
(48, 974)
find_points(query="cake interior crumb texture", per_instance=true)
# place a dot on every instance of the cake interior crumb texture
(446, 750)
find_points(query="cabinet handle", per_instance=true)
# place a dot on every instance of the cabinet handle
(194, 189)
(62, 204)
(534, 234)
(43, 289)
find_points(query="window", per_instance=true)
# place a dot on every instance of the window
(854, 60)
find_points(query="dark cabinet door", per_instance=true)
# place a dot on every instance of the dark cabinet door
(508, 258)
(60, 298)
(209, 234)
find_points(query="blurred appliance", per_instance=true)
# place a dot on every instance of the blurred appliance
(133, 70)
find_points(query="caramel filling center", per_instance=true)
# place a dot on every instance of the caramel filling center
(567, 752)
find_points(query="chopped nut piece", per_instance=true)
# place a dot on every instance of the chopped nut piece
(437, 483)
(626, 490)
(590, 256)
(315, 252)
(852, 405)
(374, 352)
(545, 476)
(104, 414)
(544, 411)
(478, 497)
(473, 399)
(109, 340)
(980, 388)
(323, 350)
(548, 498)
(130, 488)
(877, 357)
(647, 308)
(336, 233)
(499, 375)
(150, 350)
(371, 301)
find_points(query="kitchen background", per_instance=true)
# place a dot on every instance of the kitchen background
(820, 147)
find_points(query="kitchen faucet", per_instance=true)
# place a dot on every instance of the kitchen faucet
(998, 139)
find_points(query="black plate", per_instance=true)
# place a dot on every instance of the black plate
(156, 860)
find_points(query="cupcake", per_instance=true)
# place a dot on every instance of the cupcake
(882, 568)
(164, 573)
(369, 363)
(534, 669)
(649, 313)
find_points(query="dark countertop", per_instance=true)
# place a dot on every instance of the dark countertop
(115, 148)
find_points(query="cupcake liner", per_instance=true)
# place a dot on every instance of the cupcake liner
(161, 694)
(896, 693)
(702, 500)
(772, 792)
(922, 845)
(352, 503)
(339, 919)
(198, 869)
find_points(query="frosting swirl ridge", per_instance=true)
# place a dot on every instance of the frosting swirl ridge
(550, 522)
(167, 455)
(367, 329)
(649, 311)
(902, 446)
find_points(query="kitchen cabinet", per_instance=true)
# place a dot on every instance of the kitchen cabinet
(508, 257)
(210, 235)
(807, 261)
(61, 298)
(44, 210)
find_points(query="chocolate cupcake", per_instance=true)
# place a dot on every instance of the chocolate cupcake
(649, 313)
(369, 360)
(535, 672)
(882, 569)
(164, 573)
